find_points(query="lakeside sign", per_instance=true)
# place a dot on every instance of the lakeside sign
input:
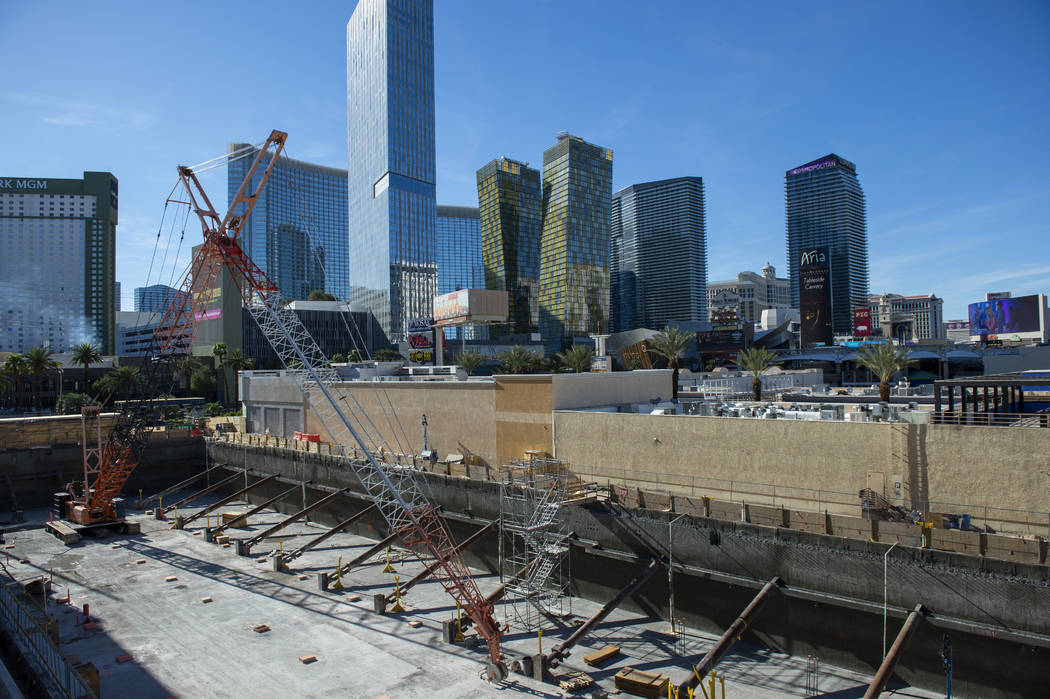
(814, 294)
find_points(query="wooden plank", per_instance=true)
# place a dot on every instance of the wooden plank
(601, 656)
(642, 684)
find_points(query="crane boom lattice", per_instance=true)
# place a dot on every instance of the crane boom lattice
(389, 479)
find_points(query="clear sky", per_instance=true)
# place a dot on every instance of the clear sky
(943, 105)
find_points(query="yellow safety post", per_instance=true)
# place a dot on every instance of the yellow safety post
(539, 639)
(397, 595)
(389, 568)
(175, 520)
(672, 691)
(339, 575)
(690, 692)
(722, 681)
(459, 623)
(700, 683)
(713, 674)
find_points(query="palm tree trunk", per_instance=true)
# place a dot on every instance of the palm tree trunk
(884, 391)
(39, 394)
(756, 388)
(674, 384)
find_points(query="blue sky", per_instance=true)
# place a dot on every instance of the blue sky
(943, 106)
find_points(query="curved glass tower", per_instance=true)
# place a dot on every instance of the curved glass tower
(390, 132)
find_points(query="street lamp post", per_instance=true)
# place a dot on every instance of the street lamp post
(670, 569)
(885, 591)
(424, 431)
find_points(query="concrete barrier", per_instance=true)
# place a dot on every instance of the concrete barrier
(721, 509)
(804, 521)
(903, 533)
(766, 515)
(955, 540)
(656, 501)
(1010, 548)
(628, 497)
(851, 527)
(696, 507)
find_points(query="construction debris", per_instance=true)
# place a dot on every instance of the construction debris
(124, 658)
(260, 628)
(206, 600)
(307, 659)
(575, 681)
(171, 578)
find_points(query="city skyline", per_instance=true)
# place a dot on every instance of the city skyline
(917, 102)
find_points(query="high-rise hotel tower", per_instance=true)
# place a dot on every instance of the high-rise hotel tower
(390, 130)
(825, 208)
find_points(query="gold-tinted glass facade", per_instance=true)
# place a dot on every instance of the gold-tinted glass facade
(574, 241)
(509, 201)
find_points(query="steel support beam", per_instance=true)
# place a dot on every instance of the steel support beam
(183, 521)
(383, 600)
(211, 488)
(321, 538)
(561, 652)
(878, 683)
(372, 550)
(244, 546)
(731, 635)
(257, 509)
(178, 486)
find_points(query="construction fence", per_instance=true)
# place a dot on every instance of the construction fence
(29, 633)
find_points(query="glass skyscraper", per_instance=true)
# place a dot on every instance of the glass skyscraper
(58, 262)
(825, 207)
(658, 254)
(297, 231)
(574, 240)
(509, 197)
(390, 130)
(155, 298)
(459, 263)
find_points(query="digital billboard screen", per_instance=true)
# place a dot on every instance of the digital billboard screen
(814, 296)
(1005, 316)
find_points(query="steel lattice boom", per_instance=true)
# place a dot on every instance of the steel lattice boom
(390, 481)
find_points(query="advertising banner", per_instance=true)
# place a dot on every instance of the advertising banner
(728, 340)
(814, 295)
(1006, 316)
(862, 322)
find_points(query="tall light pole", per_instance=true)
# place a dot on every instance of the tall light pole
(424, 431)
(885, 591)
(670, 569)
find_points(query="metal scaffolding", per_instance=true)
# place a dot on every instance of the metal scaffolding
(534, 546)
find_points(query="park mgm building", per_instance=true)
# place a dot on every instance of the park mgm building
(58, 262)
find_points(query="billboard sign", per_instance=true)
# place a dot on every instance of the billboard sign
(1001, 318)
(814, 294)
(601, 364)
(862, 322)
(726, 340)
(470, 306)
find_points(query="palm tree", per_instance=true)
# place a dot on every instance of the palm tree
(86, 354)
(755, 361)
(219, 351)
(123, 380)
(15, 365)
(470, 361)
(39, 361)
(6, 383)
(238, 362)
(577, 358)
(518, 360)
(670, 344)
(186, 368)
(884, 361)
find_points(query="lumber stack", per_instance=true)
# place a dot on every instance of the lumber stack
(641, 684)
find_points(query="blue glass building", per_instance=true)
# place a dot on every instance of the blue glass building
(297, 231)
(825, 207)
(459, 263)
(155, 298)
(658, 254)
(390, 134)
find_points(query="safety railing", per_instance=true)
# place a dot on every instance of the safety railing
(20, 624)
(990, 419)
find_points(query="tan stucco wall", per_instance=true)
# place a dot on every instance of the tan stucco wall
(570, 391)
(994, 467)
(459, 415)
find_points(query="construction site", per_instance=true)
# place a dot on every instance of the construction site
(534, 536)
